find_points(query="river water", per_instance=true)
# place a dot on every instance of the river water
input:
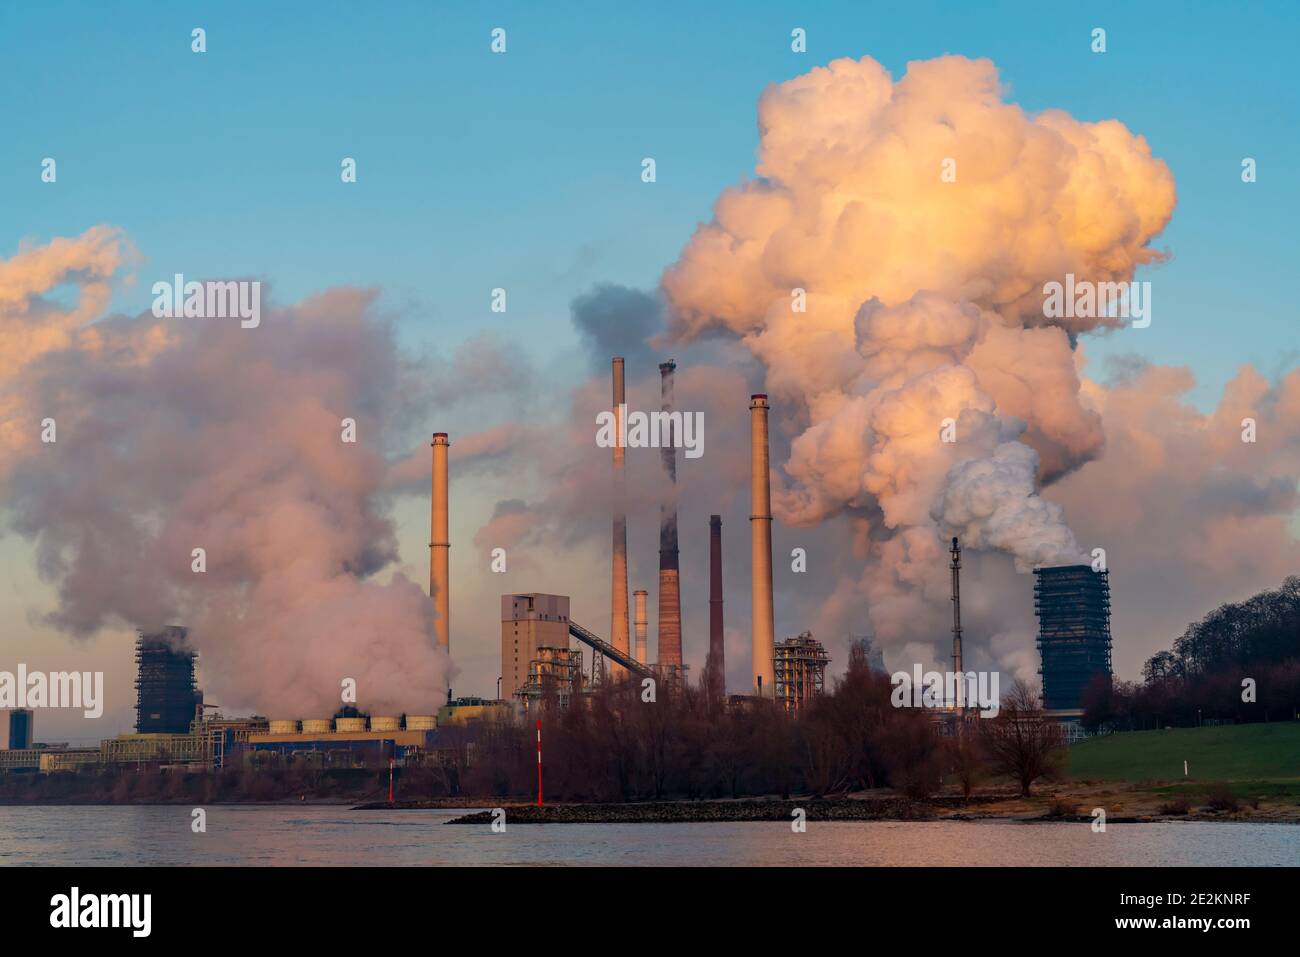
(336, 835)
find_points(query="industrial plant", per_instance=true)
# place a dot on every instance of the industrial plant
(548, 659)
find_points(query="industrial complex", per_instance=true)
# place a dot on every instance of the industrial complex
(548, 659)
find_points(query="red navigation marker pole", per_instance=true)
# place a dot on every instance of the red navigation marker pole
(390, 780)
(539, 762)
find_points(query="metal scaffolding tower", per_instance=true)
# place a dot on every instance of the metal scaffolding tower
(799, 669)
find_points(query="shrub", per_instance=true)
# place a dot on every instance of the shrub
(1059, 807)
(1178, 805)
(1221, 798)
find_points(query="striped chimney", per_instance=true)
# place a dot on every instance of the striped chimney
(670, 602)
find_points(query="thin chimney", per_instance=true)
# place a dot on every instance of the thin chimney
(439, 544)
(717, 669)
(618, 625)
(760, 528)
(959, 703)
(670, 603)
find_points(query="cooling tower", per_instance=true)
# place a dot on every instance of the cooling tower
(641, 625)
(618, 625)
(760, 528)
(670, 602)
(439, 546)
(717, 668)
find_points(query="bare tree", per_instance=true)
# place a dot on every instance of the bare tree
(1022, 741)
(967, 759)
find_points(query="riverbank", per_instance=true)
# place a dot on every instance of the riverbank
(1073, 802)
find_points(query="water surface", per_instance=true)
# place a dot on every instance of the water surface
(339, 836)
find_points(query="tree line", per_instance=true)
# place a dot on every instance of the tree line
(610, 745)
(1240, 664)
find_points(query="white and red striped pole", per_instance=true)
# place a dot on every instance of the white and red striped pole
(539, 762)
(390, 780)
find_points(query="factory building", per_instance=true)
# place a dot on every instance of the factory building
(464, 710)
(166, 695)
(20, 729)
(352, 742)
(1073, 607)
(528, 623)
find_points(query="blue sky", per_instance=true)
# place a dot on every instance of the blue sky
(479, 170)
(523, 170)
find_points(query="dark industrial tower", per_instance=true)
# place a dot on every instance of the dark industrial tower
(20, 729)
(1073, 607)
(166, 696)
(717, 669)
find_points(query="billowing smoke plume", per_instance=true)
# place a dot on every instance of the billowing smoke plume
(179, 434)
(887, 268)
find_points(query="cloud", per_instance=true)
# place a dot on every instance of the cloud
(614, 320)
(182, 434)
(885, 302)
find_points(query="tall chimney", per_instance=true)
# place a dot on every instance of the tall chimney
(641, 625)
(439, 545)
(618, 624)
(959, 703)
(717, 667)
(760, 529)
(670, 602)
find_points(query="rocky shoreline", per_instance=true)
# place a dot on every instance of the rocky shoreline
(667, 812)
(1077, 808)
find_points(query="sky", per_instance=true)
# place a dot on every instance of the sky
(523, 171)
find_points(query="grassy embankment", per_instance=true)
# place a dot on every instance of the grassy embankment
(1251, 760)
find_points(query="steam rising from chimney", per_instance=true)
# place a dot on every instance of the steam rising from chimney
(175, 436)
(901, 318)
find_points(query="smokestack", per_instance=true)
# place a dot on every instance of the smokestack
(439, 545)
(670, 602)
(641, 625)
(760, 529)
(959, 703)
(717, 667)
(618, 625)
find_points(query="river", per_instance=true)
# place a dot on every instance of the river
(337, 835)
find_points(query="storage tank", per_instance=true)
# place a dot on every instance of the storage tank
(283, 726)
(316, 725)
(421, 722)
(349, 724)
(385, 724)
